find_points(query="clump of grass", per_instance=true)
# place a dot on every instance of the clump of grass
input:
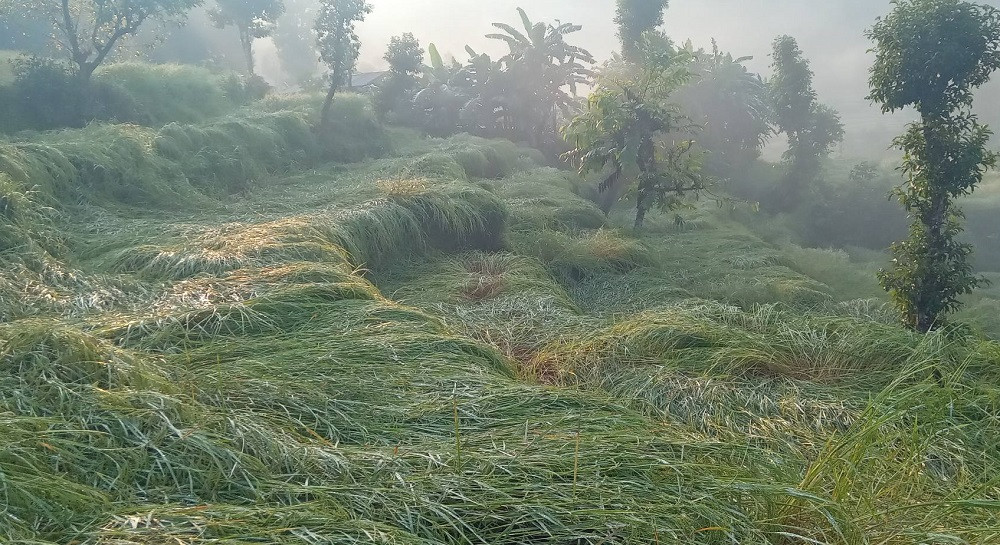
(763, 341)
(437, 166)
(403, 187)
(178, 164)
(25, 222)
(167, 93)
(546, 198)
(577, 256)
(475, 277)
(353, 132)
(253, 384)
(231, 155)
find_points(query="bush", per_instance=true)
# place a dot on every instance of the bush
(843, 209)
(167, 93)
(180, 164)
(45, 94)
(353, 132)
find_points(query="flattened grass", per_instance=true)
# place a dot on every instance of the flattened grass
(449, 345)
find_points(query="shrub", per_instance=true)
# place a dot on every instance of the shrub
(173, 92)
(46, 95)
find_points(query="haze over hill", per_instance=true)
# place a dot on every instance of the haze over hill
(830, 33)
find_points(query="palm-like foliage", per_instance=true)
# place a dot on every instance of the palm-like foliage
(487, 112)
(627, 131)
(731, 104)
(441, 98)
(544, 72)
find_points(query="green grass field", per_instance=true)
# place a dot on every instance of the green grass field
(212, 334)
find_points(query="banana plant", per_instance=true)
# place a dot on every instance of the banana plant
(544, 72)
(441, 98)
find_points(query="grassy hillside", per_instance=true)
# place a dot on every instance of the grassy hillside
(212, 334)
(44, 96)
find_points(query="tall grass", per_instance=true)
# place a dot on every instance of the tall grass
(173, 93)
(430, 348)
(177, 164)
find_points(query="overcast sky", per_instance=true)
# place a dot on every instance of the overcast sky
(830, 32)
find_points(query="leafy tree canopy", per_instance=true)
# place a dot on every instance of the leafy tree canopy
(252, 18)
(813, 129)
(90, 30)
(338, 43)
(634, 18)
(932, 54)
(404, 55)
(628, 131)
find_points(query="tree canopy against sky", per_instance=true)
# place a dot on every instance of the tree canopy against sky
(932, 55)
(90, 30)
(253, 19)
(634, 18)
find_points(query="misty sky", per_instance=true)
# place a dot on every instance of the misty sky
(830, 32)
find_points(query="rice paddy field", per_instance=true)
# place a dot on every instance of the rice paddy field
(237, 331)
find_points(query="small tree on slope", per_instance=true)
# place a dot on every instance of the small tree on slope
(932, 55)
(338, 43)
(628, 130)
(812, 128)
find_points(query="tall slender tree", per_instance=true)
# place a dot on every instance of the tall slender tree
(339, 44)
(812, 128)
(295, 42)
(634, 18)
(932, 55)
(252, 18)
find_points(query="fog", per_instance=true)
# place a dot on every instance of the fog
(831, 34)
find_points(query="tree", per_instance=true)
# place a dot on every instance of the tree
(294, 40)
(404, 55)
(440, 99)
(544, 72)
(812, 128)
(932, 55)
(90, 30)
(732, 106)
(252, 18)
(634, 18)
(405, 58)
(338, 43)
(625, 131)
(487, 112)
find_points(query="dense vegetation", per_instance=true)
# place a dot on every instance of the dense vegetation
(229, 315)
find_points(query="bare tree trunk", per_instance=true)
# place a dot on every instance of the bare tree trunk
(610, 196)
(640, 212)
(324, 118)
(246, 40)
